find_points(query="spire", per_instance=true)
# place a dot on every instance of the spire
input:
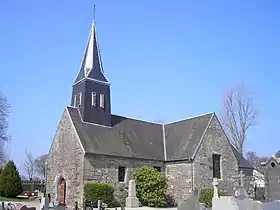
(91, 67)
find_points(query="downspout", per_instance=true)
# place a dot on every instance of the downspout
(192, 176)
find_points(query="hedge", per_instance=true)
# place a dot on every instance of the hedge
(99, 191)
(151, 187)
(206, 195)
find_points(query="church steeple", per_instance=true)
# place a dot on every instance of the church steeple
(91, 89)
(91, 67)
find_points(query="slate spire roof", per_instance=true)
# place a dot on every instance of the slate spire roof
(91, 67)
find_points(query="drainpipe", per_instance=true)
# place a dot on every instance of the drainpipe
(192, 177)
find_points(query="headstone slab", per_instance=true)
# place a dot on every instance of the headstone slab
(132, 188)
(215, 184)
(191, 203)
(132, 201)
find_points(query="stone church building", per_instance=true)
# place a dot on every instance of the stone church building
(92, 144)
(272, 178)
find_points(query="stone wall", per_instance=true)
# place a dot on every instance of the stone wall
(180, 180)
(65, 159)
(272, 177)
(100, 168)
(215, 142)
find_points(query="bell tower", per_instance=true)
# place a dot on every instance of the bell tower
(91, 89)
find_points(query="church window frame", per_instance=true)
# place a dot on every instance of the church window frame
(121, 174)
(93, 99)
(158, 168)
(102, 100)
(75, 100)
(216, 161)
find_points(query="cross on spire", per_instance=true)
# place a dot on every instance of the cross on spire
(91, 67)
(93, 12)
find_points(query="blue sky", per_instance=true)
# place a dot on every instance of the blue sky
(166, 60)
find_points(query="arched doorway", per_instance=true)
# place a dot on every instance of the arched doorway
(62, 191)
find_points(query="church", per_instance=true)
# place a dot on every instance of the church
(92, 144)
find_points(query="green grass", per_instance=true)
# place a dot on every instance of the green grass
(18, 199)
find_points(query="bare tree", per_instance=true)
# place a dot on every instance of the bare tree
(256, 162)
(40, 165)
(3, 154)
(4, 111)
(4, 137)
(238, 115)
(29, 165)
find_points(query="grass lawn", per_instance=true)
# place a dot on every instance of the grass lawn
(18, 199)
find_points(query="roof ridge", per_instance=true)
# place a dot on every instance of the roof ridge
(141, 120)
(87, 122)
(196, 116)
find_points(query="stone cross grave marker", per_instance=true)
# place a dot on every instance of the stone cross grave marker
(132, 201)
(241, 192)
(240, 176)
(215, 184)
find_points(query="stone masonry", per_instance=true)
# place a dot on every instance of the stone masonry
(180, 180)
(65, 160)
(215, 141)
(101, 168)
(185, 176)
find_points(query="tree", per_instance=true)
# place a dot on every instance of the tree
(4, 110)
(29, 165)
(256, 161)
(4, 137)
(151, 187)
(23, 177)
(277, 154)
(40, 165)
(10, 181)
(238, 115)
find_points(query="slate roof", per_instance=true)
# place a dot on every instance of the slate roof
(273, 158)
(242, 162)
(183, 137)
(140, 139)
(92, 60)
(127, 137)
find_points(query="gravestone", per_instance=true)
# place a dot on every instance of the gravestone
(44, 203)
(215, 184)
(2, 206)
(241, 193)
(191, 203)
(132, 201)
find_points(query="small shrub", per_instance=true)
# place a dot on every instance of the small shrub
(151, 187)
(206, 195)
(10, 181)
(99, 191)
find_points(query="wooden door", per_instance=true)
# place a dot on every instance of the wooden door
(62, 192)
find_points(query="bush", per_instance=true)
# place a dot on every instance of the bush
(151, 187)
(99, 191)
(206, 195)
(10, 181)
